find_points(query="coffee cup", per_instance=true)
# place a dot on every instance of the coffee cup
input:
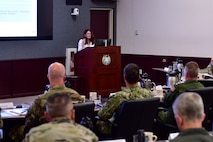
(150, 137)
(83, 98)
(159, 90)
(92, 96)
(1, 134)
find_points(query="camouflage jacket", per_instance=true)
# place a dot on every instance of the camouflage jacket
(169, 98)
(114, 102)
(60, 130)
(35, 115)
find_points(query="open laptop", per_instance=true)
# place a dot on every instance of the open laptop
(102, 42)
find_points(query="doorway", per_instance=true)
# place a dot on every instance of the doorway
(101, 23)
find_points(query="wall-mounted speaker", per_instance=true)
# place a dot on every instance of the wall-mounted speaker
(73, 2)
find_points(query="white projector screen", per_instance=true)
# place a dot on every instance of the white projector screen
(18, 18)
(26, 19)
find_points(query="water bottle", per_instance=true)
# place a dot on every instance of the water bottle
(141, 136)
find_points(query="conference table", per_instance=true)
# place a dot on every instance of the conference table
(16, 116)
(12, 117)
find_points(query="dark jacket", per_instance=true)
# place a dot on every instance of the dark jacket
(193, 135)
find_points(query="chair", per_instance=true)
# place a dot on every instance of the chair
(134, 115)
(162, 129)
(206, 82)
(207, 96)
(83, 110)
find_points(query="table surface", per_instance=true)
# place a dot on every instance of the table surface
(13, 113)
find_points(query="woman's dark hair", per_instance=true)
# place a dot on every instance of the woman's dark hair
(92, 36)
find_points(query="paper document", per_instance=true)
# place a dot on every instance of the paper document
(173, 135)
(16, 111)
(6, 105)
(207, 76)
(115, 140)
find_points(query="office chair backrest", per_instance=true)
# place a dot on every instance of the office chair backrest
(83, 110)
(134, 115)
(206, 82)
(207, 96)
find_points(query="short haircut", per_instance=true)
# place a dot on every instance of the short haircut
(59, 105)
(189, 105)
(131, 72)
(192, 68)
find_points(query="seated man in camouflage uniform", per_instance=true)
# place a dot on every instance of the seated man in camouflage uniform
(60, 113)
(56, 77)
(208, 69)
(131, 92)
(35, 115)
(1, 121)
(191, 74)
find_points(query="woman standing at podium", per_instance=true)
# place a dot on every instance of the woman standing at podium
(87, 40)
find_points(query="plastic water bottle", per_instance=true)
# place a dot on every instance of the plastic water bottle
(141, 136)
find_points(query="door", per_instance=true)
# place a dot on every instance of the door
(101, 23)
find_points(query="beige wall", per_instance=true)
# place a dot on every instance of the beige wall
(165, 27)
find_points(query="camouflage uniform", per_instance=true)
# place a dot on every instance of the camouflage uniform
(210, 69)
(35, 115)
(60, 130)
(1, 123)
(169, 98)
(113, 104)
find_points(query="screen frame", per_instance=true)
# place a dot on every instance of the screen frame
(44, 23)
(101, 42)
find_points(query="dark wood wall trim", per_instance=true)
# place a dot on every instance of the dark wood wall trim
(24, 77)
(147, 62)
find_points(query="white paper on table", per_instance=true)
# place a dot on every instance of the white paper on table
(16, 111)
(173, 135)
(6, 105)
(116, 140)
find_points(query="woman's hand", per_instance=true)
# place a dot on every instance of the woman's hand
(83, 41)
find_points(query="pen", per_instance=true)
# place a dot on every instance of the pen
(18, 113)
(23, 111)
(14, 112)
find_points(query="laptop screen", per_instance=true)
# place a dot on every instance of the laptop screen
(102, 42)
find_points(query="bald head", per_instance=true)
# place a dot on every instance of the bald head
(56, 74)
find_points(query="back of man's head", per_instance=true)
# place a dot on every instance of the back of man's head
(192, 69)
(56, 70)
(189, 106)
(131, 73)
(59, 105)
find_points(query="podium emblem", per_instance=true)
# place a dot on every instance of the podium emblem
(106, 60)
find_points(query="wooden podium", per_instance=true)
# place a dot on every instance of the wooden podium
(100, 69)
